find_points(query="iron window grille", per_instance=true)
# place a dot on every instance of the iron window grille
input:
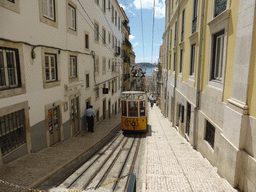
(9, 68)
(12, 131)
(73, 67)
(220, 6)
(50, 67)
(217, 56)
(49, 9)
(71, 17)
(210, 133)
(194, 19)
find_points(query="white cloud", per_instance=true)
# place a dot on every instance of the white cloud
(148, 4)
(131, 37)
(123, 6)
(135, 44)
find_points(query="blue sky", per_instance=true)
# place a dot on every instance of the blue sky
(133, 11)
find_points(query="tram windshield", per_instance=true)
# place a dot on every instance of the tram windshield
(133, 108)
(142, 108)
(124, 108)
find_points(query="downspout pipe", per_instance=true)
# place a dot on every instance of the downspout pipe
(198, 87)
(175, 75)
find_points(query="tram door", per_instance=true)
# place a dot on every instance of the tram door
(75, 115)
(54, 125)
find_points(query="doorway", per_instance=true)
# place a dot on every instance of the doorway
(75, 115)
(104, 109)
(54, 125)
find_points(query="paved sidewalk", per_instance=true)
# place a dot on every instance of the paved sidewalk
(172, 165)
(32, 169)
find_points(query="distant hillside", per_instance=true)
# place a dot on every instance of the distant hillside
(148, 65)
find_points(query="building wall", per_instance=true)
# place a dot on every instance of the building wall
(227, 105)
(27, 30)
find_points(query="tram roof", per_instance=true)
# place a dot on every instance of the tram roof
(126, 92)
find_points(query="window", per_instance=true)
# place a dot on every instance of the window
(12, 131)
(13, 5)
(219, 7)
(49, 9)
(119, 23)
(109, 64)
(109, 5)
(115, 18)
(174, 61)
(104, 5)
(86, 41)
(109, 38)
(12, 1)
(217, 58)
(96, 32)
(104, 36)
(73, 67)
(113, 41)
(96, 65)
(182, 25)
(113, 11)
(124, 108)
(181, 60)
(87, 80)
(210, 133)
(71, 17)
(188, 119)
(193, 59)
(9, 68)
(133, 108)
(50, 67)
(175, 35)
(194, 18)
(97, 92)
(113, 87)
(97, 1)
(104, 65)
(142, 108)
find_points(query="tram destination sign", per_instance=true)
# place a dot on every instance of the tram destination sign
(132, 96)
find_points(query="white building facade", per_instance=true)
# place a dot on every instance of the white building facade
(55, 59)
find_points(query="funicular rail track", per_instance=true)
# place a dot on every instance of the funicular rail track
(104, 170)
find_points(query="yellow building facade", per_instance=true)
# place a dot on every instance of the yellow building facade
(208, 89)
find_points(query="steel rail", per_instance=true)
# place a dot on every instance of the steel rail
(133, 164)
(91, 163)
(104, 162)
(122, 168)
(109, 169)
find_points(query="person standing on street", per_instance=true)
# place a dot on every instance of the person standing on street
(90, 114)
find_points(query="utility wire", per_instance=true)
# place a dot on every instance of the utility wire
(153, 28)
(142, 34)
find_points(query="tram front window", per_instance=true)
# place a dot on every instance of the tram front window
(124, 108)
(142, 108)
(133, 108)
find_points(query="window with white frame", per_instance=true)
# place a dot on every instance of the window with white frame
(73, 67)
(182, 26)
(217, 56)
(96, 32)
(96, 65)
(181, 60)
(9, 68)
(71, 17)
(104, 36)
(219, 7)
(104, 65)
(49, 9)
(104, 5)
(194, 18)
(50, 67)
(192, 60)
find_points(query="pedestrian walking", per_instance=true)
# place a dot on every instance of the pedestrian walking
(90, 114)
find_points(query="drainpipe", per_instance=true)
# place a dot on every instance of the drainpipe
(93, 56)
(196, 110)
(175, 78)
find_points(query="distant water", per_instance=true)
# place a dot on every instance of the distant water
(149, 71)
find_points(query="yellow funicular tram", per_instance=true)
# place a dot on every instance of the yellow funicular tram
(134, 111)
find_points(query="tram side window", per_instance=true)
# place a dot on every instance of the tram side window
(142, 108)
(133, 108)
(124, 108)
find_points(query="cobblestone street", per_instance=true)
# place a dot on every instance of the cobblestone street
(173, 165)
